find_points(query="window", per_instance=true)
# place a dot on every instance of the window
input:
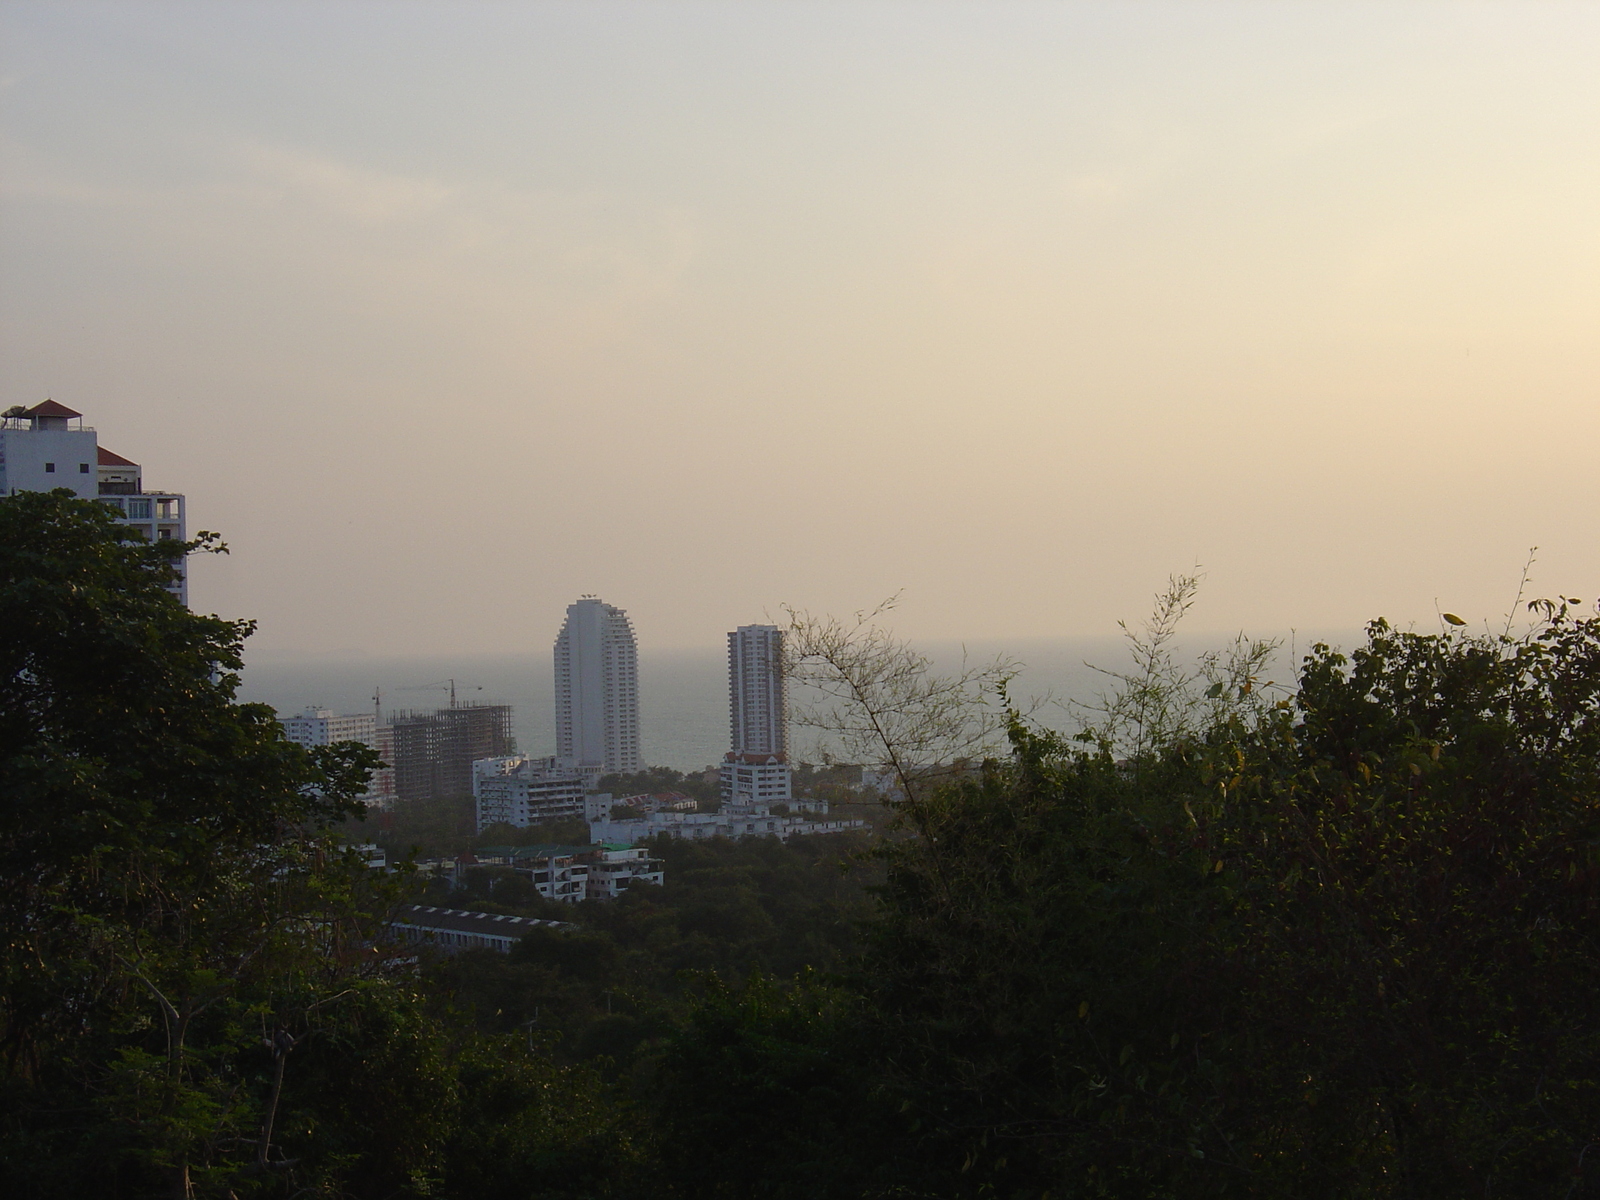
(83, 468)
(139, 509)
(49, 468)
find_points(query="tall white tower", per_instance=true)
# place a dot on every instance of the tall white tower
(756, 770)
(757, 709)
(597, 689)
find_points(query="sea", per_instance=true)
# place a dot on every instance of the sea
(683, 694)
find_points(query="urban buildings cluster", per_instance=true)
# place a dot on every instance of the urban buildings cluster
(426, 755)
(467, 749)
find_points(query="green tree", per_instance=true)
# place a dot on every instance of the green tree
(1339, 942)
(173, 900)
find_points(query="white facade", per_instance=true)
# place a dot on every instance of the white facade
(755, 779)
(597, 689)
(757, 700)
(614, 869)
(322, 727)
(48, 446)
(524, 791)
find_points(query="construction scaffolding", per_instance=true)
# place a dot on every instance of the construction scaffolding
(434, 751)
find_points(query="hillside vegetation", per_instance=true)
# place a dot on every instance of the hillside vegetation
(1330, 938)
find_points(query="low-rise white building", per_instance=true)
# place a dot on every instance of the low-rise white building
(573, 873)
(322, 727)
(749, 778)
(733, 821)
(614, 868)
(522, 791)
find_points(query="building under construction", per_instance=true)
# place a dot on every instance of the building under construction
(434, 751)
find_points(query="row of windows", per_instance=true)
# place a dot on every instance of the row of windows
(139, 509)
(50, 468)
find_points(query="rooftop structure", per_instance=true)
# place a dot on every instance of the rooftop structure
(453, 930)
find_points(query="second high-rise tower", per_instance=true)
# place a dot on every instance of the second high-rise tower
(597, 689)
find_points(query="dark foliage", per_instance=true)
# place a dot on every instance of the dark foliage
(622, 981)
(1341, 945)
(197, 996)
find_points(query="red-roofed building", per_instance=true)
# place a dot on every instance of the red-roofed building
(48, 447)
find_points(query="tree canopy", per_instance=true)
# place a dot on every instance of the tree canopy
(1326, 939)
(1334, 942)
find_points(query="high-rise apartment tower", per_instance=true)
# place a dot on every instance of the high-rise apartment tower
(757, 710)
(756, 769)
(597, 689)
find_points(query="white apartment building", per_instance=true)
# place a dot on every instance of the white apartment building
(322, 727)
(573, 873)
(614, 869)
(755, 779)
(756, 769)
(48, 446)
(757, 698)
(597, 689)
(522, 791)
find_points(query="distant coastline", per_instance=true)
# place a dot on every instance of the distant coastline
(683, 693)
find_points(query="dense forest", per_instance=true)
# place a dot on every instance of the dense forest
(1329, 938)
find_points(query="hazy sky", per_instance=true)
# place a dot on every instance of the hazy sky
(444, 313)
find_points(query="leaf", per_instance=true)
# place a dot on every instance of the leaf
(1083, 1011)
(1453, 619)
(1214, 691)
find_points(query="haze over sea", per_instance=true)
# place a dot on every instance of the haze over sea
(683, 699)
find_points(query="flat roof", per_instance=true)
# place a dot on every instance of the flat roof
(457, 920)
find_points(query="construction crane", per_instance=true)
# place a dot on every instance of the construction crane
(448, 685)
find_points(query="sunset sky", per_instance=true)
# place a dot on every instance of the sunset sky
(445, 313)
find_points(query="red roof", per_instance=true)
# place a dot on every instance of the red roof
(108, 459)
(51, 409)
